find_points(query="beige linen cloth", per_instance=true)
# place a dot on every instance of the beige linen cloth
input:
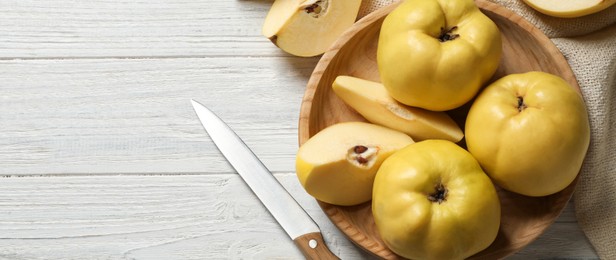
(589, 45)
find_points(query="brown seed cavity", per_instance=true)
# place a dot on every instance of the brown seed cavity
(362, 160)
(359, 149)
(316, 8)
(362, 155)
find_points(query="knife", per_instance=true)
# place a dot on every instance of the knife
(290, 215)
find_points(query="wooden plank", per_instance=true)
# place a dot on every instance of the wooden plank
(144, 217)
(134, 116)
(211, 216)
(156, 28)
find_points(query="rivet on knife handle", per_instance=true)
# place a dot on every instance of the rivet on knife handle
(313, 246)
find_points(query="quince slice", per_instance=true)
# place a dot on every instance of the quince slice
(569, 8)
(307, 28)
(338, 164)
(372, 101)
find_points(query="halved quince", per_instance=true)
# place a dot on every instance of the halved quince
(338, 164)
(372, 101)
(569, 8)
(308, 27)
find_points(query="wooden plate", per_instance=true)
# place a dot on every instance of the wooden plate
(525, 48)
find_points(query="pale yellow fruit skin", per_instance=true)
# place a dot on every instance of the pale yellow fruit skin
(420, 71)
(326, 174)
(538, 151)
(569, 8)
(416, 228)
(371, 100)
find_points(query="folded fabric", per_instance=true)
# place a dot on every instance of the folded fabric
(593, 60)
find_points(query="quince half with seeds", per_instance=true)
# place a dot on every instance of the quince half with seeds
(308, 28)
(338, 164)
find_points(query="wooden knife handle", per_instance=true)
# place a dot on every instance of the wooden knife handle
(313, 247)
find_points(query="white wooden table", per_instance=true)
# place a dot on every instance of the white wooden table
(103, 157)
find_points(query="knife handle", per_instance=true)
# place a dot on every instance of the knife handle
(313, 246)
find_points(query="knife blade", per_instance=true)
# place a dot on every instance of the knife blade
(300, 227)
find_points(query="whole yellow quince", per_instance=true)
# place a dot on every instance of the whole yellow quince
(529, 132)
(436, 54)
(432, 200)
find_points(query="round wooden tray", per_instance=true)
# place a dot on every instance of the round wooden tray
(525, 48)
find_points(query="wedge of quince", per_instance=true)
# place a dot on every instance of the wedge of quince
(308, 27)
(371, 100)
(338, 164)
(569, 8)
